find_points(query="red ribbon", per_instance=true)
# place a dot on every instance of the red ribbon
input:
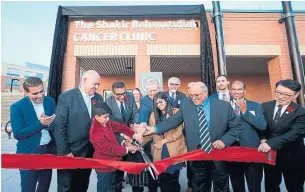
(34, 161)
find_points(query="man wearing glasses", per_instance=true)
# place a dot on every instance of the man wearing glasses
(176, 96)
(284, 133)
(124, 110)
(210, 124)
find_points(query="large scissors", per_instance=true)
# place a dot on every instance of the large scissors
(147, 160)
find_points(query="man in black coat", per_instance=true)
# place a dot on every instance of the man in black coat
(71, 130)
(284, 133)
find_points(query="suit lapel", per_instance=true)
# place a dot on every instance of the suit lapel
(213, 115)
(82, 103)
(286, 114)
(31, 107)
(46, 108)
(115, 107)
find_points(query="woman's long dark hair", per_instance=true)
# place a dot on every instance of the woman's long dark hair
(168, 109)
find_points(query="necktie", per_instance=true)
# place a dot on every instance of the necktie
(236, 110)
(173, 96)
(278, 114)
(204, 134)
(223, 96)
(123, 111)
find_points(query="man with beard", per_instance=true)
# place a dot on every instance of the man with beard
(72, 127)
(222, 85)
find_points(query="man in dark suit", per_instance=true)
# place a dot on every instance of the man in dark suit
(31, 120)
(253, 122)
(173, 93)
(284, 133)
(124, 110)
(72, 126)
(222, 84)
(210, 124)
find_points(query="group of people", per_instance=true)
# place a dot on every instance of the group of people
(163, 124)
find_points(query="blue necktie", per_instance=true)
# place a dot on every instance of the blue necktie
(204, 134)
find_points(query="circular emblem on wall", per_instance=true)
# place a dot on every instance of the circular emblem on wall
(150, 76)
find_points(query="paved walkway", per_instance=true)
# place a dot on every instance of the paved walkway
(10, 179)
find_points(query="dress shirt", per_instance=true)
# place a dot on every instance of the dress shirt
(220, 94)
(207, 111)
(119, 104)
(87, 99)
(171, 94)
(45, 136)
(282, 110)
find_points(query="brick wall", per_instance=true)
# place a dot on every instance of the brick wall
(239, 28)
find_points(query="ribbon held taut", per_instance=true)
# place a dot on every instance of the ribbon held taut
(34, 161)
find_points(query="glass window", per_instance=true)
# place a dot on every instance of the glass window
(39, 75)
(28, 74)
(8, 82)
(13, 72)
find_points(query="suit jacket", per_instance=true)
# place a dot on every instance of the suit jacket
(176, 142)
(146, 108)
(27, 127)
(131, 109)
(215, 96)
(286, 135)
(72, 124)
(253, 123)
(224, 124)
(179, 97)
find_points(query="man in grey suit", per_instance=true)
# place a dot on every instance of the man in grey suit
(251, 116)
(71, 130)
(210, 124)
(125, 111)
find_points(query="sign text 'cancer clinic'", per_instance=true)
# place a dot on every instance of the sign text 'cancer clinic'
(119, 30)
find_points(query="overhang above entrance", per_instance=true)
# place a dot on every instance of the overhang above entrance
(109, 65)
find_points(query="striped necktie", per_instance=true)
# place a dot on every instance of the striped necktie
(204, 134)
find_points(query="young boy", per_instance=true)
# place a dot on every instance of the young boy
(106, 145)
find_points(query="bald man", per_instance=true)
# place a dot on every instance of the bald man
(210, 124)
(71, 131)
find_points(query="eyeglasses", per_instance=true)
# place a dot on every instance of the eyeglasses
(196, 95)
(285, 95)
(120, 94)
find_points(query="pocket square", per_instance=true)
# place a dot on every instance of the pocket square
(252, 112)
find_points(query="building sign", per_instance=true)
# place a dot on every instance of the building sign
(118, 30)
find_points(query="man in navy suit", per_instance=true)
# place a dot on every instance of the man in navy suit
(222, 84)
(146, 109)
(173, 93)
(146, 106)
(31, 120)
(253, 122)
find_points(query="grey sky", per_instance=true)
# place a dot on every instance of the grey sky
(28, 27)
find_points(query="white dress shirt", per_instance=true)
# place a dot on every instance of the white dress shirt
(171, 94)
(119, 105)
(45, 136)
(220, 95)
(87, 99)
(282, 110)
